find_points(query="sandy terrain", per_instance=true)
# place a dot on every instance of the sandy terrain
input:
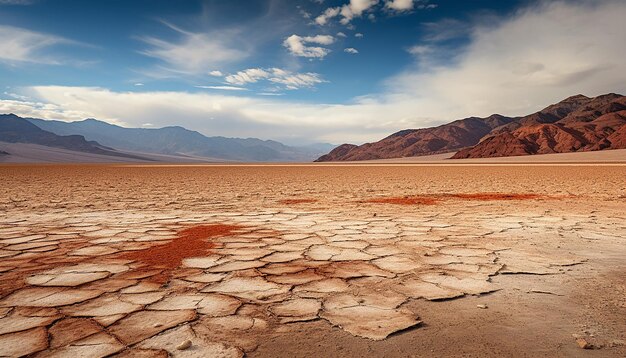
(34, 153)
(308, 260)
(602, 156)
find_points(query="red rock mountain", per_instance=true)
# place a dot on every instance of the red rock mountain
(415, 142)
(578, 123)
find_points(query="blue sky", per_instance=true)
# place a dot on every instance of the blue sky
(303, 71)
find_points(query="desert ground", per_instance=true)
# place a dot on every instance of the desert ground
(382, 260)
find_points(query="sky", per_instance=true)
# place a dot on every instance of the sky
(304, 71)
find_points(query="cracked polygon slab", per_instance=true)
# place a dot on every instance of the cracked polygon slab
(48, 297)
(353, 269)
(17, 323)
(201, 262)
(468, 285)
(464, 251)
(68, 279)
(253, 288)
(396, 264)
(282, 268)
(245, 254)
(236, 266)
(205, 277)
(239, 331)
(440, 259)
(31, 245)
(295, 310)
(199, 347)
(213, 305)
(520, 263)
(415, 288)
(70, 330)
(325, 253)
(352, 244)
(102, 306)
(145, 324)
(142, 287)
(95, 250)
(23, 343)
(97, 345)
(282, 256)
(142, 298)
(360, 317)
(108, 320)
(329, 285)
(110, 284)
(296, 278)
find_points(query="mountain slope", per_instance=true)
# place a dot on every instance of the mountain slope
(14, 129)
(180, 141)
(578, 123)
(415, 142)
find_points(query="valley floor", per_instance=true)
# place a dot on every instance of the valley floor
(361, 260)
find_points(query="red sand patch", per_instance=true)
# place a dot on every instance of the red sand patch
(405, 200)
(190, 242)
(436, 198)
(495, 196)
(296, 201)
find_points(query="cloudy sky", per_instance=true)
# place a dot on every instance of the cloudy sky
(303, 71)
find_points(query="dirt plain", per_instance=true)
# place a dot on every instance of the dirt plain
(376, 260)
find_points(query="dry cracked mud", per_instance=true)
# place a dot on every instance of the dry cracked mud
(227, 261)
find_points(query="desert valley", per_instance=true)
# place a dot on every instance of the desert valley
(328, 178)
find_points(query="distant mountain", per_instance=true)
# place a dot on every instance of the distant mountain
(180, 141)
(14, 129)
(415, 142)
(578, 123)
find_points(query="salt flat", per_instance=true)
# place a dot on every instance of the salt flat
(335, 260)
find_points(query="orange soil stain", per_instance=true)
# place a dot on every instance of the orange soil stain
(190, 242)
(404, 200)
(436, 198)
(495, 196)
(296, 201)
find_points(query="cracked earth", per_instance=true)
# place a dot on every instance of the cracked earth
(135, 261)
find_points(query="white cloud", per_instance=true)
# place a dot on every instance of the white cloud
(513, 66)
(517, 65)
(297, 45)
(420, 50)
(287, 79)
(341, 34)
(351, 50)
(328, 14)
(195, 53)
(19, 45)
(216, 73)
(359, 35)
(355, 8)
(17, 96)
(250, 75)
(399, 5)
(138, 84)
(293, 81)
(224, 88)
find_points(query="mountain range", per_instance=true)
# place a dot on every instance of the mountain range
(175, 143)
(14, 129)
(578, 123)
